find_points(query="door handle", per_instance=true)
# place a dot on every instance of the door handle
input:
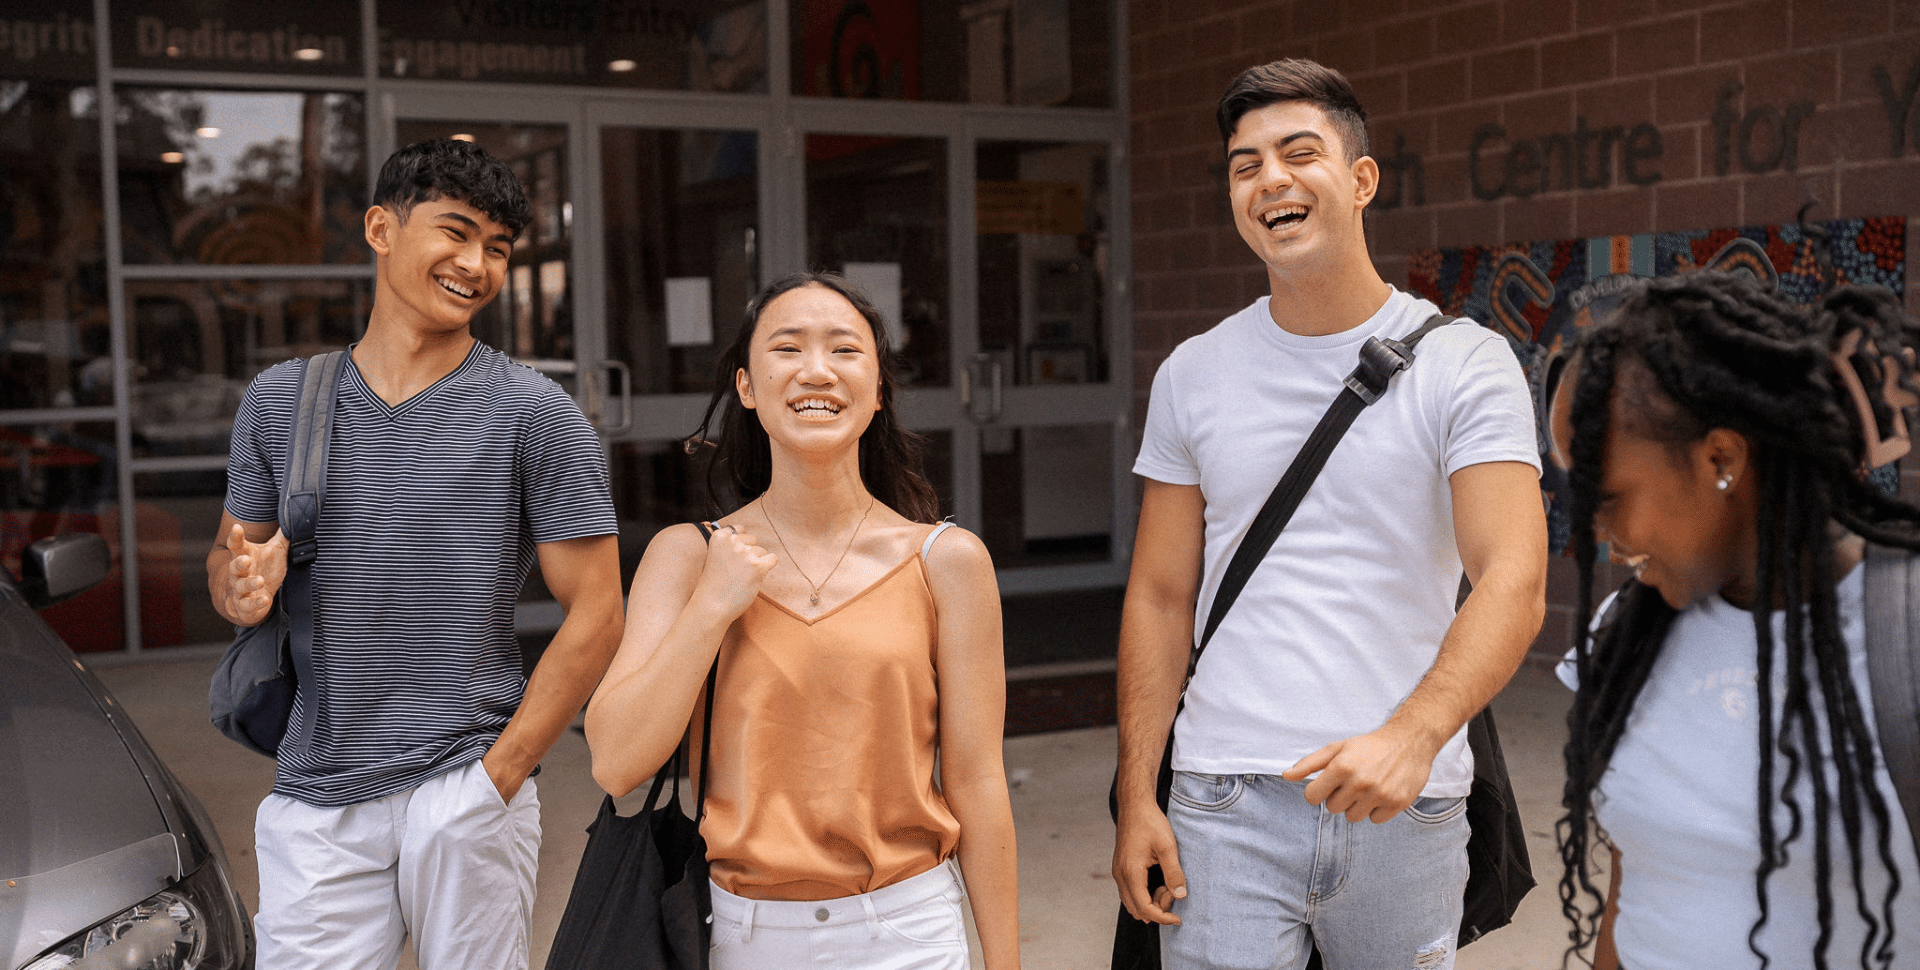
(625, 394)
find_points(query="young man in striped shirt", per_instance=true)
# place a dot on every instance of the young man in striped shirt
(403, 802)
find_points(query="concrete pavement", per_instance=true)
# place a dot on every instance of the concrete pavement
(1059, 785)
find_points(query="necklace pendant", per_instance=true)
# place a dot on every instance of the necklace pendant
(814, 599)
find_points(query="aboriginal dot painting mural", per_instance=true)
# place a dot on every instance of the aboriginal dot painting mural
(1539, 294)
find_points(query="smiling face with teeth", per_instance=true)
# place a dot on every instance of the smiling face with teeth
(1296, 196)
(438, 264)
(813, 371)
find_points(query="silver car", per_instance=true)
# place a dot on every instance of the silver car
(105, 859)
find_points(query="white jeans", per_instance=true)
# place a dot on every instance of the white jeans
(914, 924)
(447, 862)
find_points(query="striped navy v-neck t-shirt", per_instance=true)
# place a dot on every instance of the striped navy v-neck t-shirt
(427, 531)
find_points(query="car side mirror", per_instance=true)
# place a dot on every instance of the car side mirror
(61, 566)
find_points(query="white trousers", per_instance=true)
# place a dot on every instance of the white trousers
(448, 863)
(914, 924)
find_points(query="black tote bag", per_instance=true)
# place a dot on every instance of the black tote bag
(640, 900)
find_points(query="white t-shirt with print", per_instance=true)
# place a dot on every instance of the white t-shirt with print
(1678, 797)
(1347, 611)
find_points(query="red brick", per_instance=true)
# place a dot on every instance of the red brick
(1349, 52)
(1886, 189)
(1167, 212)
(1780, 81)
(1447, 181)
(1688, 97)
(1817, 22)
(1680, 155)
(1228, 6)
(1265, 26)
(1534, 19)
(1415, 133)
(1611, 13)
(1467, 29)
(1399, 230)
(1381, 92)
(1441, 85)
(1855, 133)
(1216, 38)
(1661, 45)
(1373, 11)
(1624, 103)
(1576, 60)
(1621, 212)
(1538, 114)
(1906, 16)
(1163, 50)
(1404, 42)
(1897, 56)
(1707, 204)
(1145, 15)
(1314, 19)
(1510, 71)
(1476, 224)
(1745, 31)
(1538, 218)
(1453, 128)
(1768, 200)
(1392, 269)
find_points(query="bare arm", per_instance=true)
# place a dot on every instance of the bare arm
(245, 568)
(1502, 534)
(584, 575)
(685, 595)
(971, 667)
(1605, 957)
(1156, 638)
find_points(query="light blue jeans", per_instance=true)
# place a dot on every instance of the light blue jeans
(1268, 875)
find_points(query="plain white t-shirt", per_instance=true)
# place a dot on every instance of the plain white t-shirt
(1677, 799)
(1347, 611)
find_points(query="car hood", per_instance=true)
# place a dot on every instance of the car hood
(77, 815)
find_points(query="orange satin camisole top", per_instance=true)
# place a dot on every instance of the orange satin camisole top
(824, 741)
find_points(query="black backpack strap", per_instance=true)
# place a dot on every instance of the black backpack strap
(706, 729)
(302, 486)
(1893, 633)
(1379, 361)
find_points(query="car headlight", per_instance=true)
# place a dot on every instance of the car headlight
(187, 926)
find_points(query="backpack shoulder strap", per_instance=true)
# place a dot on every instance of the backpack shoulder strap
(1893, 633)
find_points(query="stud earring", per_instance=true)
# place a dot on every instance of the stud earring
(1724, 482)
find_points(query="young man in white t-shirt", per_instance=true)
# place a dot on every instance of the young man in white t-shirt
(1320, 764)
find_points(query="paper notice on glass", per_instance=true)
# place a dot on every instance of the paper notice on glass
(881, 283)
(689, 311)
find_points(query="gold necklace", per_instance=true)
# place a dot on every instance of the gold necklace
(814, 600)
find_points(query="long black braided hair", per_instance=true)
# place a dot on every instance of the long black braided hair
(1682, 356)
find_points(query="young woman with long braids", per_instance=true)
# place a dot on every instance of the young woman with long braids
(858, 645)
(1721, 740)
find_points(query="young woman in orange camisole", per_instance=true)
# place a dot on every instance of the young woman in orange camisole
(856, 754)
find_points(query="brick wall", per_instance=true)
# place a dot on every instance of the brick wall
(1517, 120)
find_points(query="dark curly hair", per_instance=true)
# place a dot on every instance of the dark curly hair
(443, 168)
(1682, 356)
(1296, 79)
(890, 454)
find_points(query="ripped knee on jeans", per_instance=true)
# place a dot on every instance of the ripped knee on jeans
(1434, 956)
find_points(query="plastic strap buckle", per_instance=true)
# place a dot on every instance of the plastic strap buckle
(1379, 361)
(302, 511)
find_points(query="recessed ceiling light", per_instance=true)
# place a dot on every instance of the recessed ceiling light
(172, 158)
(621, 66)
(207, 132)
(309, 54)
(461, 137)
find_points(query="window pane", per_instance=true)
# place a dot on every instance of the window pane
(177, 517)
(196, 344)
(877, 211)
(1045, 494)
(1042, 224)
(317, 37)
(57, 478)
(1022, 52)
(247, 177)
(674, 45)
(55, 346)
(683, 212)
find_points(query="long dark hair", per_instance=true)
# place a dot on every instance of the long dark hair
(1685, 355)
(889, 452)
